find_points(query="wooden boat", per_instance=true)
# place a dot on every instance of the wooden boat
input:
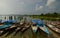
(41, 26)
(6, 25)
(22, 22)
(34, 25)
(34, 28)
(1, 31)
(56, 24)
(45, 29)
(3, 21)
(25, 27)
(55, 29)
(11, 27)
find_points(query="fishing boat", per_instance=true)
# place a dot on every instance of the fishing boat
(22, 22)
(42, 26)
(4, 27)
(34, 25)
(25, 27)
(6, 24)
(2, 21)
(12, 21)
(56, 24)
(55, 29)
(11, 27)
(45, 29)
(34, 28)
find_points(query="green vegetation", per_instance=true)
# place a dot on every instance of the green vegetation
(48, 16)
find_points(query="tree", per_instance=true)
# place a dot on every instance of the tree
(55, 13)
(42, 14)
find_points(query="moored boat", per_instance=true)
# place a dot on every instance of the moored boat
(22, 22)
(6, 25)
(55, 29)
(45, 29)
(34, 25)
(42, 26)
(25, 27)
(34, 28)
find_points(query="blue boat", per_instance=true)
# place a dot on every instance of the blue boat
(2, 21)
(11, 21)
(42, 26)
(34, 26)
(7, 24)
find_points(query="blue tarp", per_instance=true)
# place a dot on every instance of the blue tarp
(5, 26)
(47, 31)
(40, 22)
(0, 20)
(34, 20)
(9, 21)
(12, 21)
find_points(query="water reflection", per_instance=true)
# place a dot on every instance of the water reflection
(28, 34)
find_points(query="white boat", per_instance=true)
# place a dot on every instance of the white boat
(1, 31)
(45, 29)
(34, 28)
(55, 29)
(21, 22)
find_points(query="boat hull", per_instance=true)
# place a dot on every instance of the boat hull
(45, 29)
(53, 28)
(5, 26)
(34, 28)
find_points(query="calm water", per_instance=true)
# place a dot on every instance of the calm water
(27, 34)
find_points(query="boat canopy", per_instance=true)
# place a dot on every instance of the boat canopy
(12, 21)
(40, 22)
(34, 20)
(0, 20)
(3, 21)
(5, 26)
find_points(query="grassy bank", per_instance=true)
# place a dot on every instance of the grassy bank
(46, 17)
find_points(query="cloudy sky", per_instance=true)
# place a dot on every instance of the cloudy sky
(28, 6)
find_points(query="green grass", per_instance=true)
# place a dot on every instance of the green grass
(47, 18)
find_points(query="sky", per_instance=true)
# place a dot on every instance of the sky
(29, 6)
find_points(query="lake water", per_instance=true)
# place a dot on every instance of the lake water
(27, 34)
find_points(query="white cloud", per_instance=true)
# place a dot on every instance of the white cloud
(38, 7)
(49, 2)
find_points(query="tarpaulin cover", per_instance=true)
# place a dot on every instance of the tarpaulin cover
(5, 26)
(13, 21)
(34, 20)
(40, 22)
